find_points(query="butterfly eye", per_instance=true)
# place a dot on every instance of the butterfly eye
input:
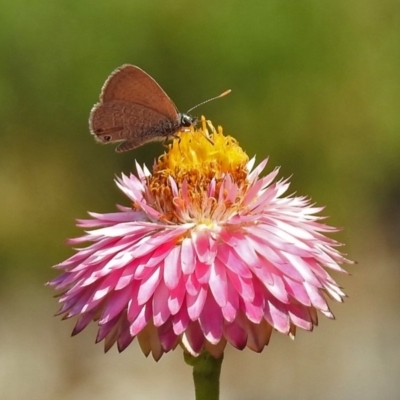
(107, 138)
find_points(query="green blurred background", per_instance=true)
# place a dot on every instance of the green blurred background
(316, 87)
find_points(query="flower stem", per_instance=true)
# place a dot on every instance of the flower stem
(206, 373)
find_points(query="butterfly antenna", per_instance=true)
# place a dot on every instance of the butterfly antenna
(212, 98)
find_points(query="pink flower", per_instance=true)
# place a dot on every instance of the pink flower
(208, 253)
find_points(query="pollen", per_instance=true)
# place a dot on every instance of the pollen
(195, 158)
(204, 152)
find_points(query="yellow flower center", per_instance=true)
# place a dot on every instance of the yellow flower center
(196, 157)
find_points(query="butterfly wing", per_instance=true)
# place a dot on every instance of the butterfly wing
(133, 109)
(133, 124)
(130, 83)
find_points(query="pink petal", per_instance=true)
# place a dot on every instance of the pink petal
(192, 285)
(277, 316)
(176, 297)
(202, 272)
(133, 307)
(255, 310)
(141, 320)
(219, 283)
(161, 311)
(236, 335)
(316, 297)
(297, 291)
(300, 317)
(201, 241)
(168, 338)
(231, 260)
(119, 302)
(243, 286)
(125, 338)
(230, 310)
(172, 268)
(193, 339)
(181, 322)
(211, 321)
(148, 286)
(187, 256)
(195, 304)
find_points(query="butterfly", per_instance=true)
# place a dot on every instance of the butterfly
(134, 110)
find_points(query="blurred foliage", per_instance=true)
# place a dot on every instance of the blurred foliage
(315, 85)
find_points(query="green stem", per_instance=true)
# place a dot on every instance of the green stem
(206, 373)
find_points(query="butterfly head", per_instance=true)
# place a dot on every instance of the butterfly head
(187, 120)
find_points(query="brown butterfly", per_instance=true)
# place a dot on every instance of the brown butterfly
(135, 110)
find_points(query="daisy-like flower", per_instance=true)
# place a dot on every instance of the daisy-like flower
(208, 253)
